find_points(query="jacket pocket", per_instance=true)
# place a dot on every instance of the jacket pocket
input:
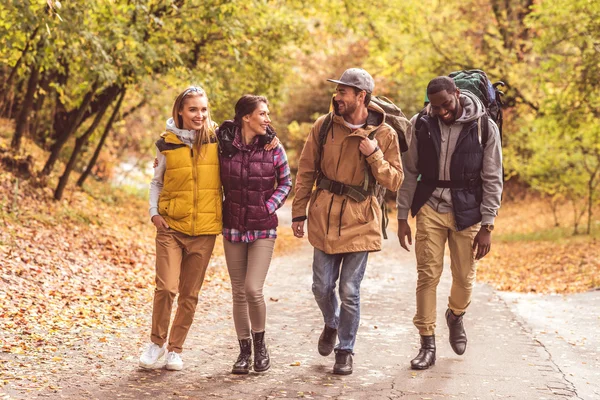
(361, 211)
(177, 209)
(163, 207)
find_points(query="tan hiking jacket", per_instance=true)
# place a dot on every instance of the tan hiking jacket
(337, 223)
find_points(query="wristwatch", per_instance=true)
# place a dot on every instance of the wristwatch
(488, 227)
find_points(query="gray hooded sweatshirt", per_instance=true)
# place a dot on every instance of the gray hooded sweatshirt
(491, 173)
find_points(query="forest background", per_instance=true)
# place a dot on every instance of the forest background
(85, 89)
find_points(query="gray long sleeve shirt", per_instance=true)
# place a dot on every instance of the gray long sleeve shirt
(491, 173)
(156, 184)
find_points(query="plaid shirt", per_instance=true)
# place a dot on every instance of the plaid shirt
(284, 185)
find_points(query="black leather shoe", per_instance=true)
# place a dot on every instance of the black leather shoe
(327, 340)
(426, 356)
(244, 360)
(262, 361)
(343, 362)
(457, 334)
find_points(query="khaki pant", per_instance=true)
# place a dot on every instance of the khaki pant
(181, 262)
(248, 264)
(433, 230)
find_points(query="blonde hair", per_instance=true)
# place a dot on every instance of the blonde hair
(204, 134)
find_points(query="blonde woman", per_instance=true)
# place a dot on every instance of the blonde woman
(185, 207)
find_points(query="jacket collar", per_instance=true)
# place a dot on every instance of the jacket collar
(375, 118)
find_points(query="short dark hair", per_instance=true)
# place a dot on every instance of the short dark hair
(440, 83)
(246, 105)
(367, 95)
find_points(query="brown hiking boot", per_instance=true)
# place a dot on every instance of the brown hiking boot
(327, 340)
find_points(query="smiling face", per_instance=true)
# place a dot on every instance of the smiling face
(258, 121)
(346, 100)
(446, 106)
(193, 112)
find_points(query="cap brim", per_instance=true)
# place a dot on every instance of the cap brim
(346, 84)
(339, 82)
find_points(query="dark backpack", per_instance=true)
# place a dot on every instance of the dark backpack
(396, 119)
(477, 82)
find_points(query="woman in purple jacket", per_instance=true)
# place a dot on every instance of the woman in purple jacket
(256, 183)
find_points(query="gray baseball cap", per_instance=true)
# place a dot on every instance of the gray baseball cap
(358, 78)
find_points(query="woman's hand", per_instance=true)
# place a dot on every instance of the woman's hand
(160, 223)
(274, 143)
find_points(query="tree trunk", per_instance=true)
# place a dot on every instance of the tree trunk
(107, 129)
(23, 117)
(79, 142)
(70, 127)
(13, 72)
(39, 119)
(590, 206)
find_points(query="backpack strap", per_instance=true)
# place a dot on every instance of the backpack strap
(418, 122)
(325, 126)
(484, 124)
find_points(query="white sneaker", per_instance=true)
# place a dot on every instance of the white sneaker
(151, 358)
(174, 362)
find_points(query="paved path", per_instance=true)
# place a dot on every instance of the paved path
(504, 359)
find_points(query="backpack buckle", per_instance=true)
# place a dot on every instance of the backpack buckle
(336, 188)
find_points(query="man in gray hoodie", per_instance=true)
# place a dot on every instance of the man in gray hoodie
(453, 185)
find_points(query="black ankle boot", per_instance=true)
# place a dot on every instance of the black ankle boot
(457, 335)
(426, 356)
(244, 360)
(262, 362)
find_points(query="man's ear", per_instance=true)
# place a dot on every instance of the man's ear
(361, 96)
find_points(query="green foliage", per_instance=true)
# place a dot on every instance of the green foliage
(547, 52)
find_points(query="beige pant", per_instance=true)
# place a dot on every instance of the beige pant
(433, 230)
(181, 262)
(248, 264)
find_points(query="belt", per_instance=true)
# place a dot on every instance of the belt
(356, 193)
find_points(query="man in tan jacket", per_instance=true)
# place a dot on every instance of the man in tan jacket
(345, 158)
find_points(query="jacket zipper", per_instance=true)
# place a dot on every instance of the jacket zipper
(195, 196)
(437, 208)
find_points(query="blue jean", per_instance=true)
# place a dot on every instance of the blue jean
(326, 271)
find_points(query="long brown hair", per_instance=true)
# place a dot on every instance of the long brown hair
(204, 134)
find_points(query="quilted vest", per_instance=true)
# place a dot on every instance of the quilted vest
(466, 164)
(190, 200)
(248, 175)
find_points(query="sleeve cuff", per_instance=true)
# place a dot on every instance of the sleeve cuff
(270, 207)
(299, 219)
(153, 212)
(402, 214)
(376, 156)
(487, 219)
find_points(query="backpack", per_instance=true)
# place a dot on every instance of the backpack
(477, 82)
(396, 119)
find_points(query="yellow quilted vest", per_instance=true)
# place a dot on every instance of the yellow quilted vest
(191, 198)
